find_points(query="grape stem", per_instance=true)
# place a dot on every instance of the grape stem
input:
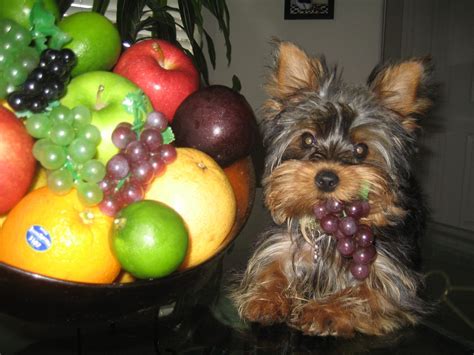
(121, 183)
(135, 104)
(69, 167)
(137, 127)
(364, 190)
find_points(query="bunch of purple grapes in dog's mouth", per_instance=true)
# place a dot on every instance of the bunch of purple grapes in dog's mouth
(354, 239)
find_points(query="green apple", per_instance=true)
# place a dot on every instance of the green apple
(19, 10)
(104, 94)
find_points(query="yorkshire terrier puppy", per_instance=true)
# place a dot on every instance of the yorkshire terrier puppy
(330, 145)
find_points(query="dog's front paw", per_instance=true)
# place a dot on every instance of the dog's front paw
(266, 308)
(313, 318)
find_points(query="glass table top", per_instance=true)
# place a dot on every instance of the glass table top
(213, 327)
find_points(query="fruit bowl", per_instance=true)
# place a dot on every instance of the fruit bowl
(37, 298)
(104, 143)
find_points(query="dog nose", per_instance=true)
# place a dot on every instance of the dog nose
(327, 180)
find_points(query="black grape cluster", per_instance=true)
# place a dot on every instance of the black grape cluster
(46, 83)
(354, 239)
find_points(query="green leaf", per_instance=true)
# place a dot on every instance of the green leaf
(197, 9)
(200, 61)
(162, 25)
(43, 26)
(100, 6)
(210, 48)
(187, 13)
(40, 41)
(220, 11)
(41, 19)
(129, 13)
(236, 84)
(64, 5)
(160, 5)
(59, 39)
(168, 135)
(157, 3)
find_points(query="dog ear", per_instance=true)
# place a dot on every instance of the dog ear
(405, 88)
(294, 70)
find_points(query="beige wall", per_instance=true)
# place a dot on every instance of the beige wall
(352, 40)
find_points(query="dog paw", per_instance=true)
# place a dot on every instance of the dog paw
(314, 318)
(266, 309)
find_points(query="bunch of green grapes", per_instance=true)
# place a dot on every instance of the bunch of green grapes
(66, 146)
(17, 59)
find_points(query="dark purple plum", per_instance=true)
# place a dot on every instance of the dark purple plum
(218, 121)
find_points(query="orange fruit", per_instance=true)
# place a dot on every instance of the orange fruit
(58, 236)
(241, 175)
(198, 189)
(95, 41)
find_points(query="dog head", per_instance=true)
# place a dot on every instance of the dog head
(329, 140)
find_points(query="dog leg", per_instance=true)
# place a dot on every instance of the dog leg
(263, 293)
(330, 316)
(357, 310)
(264, 299)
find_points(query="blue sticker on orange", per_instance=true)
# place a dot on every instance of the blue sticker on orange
(38, 238)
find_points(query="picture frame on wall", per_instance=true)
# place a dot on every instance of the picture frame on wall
(309, 9)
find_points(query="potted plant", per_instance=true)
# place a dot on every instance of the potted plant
(137, 19)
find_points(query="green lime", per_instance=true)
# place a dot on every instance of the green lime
(95, 41)
(149, 239)
(19, 10)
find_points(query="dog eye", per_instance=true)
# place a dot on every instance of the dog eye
(360, 151)
(308, 140)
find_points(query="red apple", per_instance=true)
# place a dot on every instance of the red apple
(162, 70)
(17, 164)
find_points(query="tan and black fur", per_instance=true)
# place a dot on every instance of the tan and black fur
(295, 275)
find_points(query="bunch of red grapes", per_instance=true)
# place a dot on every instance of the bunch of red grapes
(354, 239)
(142, 157)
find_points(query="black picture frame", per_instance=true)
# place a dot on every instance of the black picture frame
(309, 10)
